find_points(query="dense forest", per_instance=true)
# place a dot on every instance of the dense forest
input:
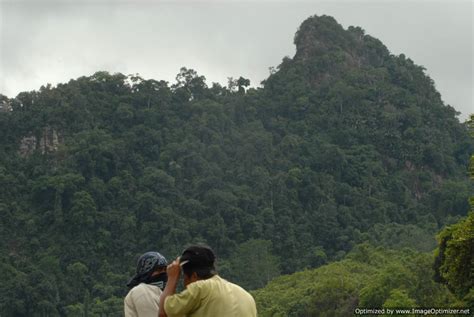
(345, 163)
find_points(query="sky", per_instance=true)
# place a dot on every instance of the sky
(53, 41)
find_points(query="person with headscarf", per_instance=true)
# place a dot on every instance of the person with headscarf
(146, 286)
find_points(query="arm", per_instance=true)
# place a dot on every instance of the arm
(129, 306)
(174, 272)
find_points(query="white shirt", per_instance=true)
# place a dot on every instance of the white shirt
(142, 301)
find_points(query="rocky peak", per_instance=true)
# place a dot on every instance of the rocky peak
(317, 35)
(321, 36)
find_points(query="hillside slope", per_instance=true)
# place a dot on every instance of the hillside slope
(367, 277)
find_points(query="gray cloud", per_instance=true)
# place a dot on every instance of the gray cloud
(49, 42)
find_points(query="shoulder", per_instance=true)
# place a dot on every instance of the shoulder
(143, 289)
(238, 289)
(215, 284)
(136, 289)
(219, 280)
(208, 285)
(142, 300)
(204, 284)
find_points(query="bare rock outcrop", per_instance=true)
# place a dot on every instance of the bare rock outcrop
(47, 142)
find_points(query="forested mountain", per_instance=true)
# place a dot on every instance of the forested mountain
(343, 144)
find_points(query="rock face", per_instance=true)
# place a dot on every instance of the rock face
(27, 146)
(48, 142)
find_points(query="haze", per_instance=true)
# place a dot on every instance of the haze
(51, 42)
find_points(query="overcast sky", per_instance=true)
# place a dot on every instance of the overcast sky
(53, 41)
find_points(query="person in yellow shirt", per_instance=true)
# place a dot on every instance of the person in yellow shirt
(143, 298)
(206, 293)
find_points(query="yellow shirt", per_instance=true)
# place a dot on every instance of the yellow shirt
(142, 301)
(214, 297)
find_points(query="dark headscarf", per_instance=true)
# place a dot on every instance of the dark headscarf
(146, 266)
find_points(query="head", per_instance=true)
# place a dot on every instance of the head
(200, 265)
(150, 262)
(149, 266)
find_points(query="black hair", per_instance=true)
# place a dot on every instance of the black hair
(200, 260)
